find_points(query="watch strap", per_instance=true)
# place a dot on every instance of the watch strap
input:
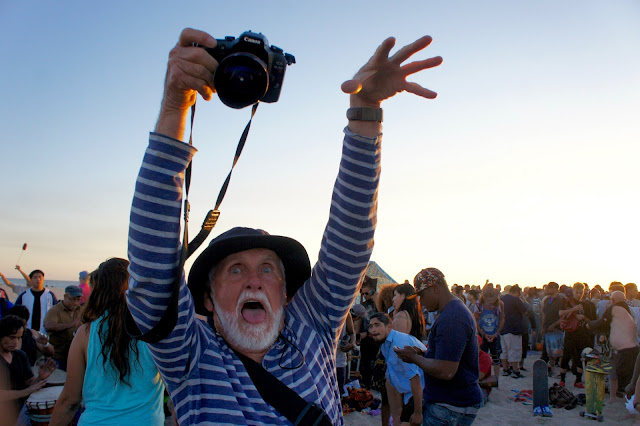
(365, 114)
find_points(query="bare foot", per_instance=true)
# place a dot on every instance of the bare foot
(611, 400)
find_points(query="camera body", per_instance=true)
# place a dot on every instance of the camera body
(249, 69)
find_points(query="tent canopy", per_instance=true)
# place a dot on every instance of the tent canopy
(375, 271)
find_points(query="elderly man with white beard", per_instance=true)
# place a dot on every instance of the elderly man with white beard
(269, 316)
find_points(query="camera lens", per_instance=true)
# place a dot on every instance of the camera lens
(241, 80)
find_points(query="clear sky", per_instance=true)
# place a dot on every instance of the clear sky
(523, 170)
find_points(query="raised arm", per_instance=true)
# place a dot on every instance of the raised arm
(25, 276)
(348, 239)
(189, 72)
(383, 77)
(8, 283)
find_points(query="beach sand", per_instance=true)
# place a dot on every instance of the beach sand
(502, 410)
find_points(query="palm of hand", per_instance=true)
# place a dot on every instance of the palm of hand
(382, 76)
(47, 369)
(380, 80)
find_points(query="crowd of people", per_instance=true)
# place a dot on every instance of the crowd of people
(557, 321)
(426, 347)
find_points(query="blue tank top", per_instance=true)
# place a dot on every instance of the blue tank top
(111, 402)
(489, 320)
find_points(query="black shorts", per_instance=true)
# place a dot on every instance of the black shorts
(625, 361)
(573, 346)
(493, 348)
(407, 411)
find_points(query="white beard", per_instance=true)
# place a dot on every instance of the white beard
(246, 336)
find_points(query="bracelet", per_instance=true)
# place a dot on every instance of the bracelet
(365, 114)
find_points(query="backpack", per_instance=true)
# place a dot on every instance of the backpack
(561, 397)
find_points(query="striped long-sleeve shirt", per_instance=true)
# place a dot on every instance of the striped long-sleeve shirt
(207, 382)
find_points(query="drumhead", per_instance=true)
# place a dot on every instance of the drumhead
(58, 377)
(45, 395)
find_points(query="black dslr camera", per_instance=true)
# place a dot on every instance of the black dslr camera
(249, 69)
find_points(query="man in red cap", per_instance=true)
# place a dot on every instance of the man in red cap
(451, 391)
(268, 314)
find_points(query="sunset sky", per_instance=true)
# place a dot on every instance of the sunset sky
(523, 170)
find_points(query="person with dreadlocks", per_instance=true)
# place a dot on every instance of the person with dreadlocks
(112, 373)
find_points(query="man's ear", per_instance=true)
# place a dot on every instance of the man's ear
(208, 303)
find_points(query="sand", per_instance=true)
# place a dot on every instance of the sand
(502, 410)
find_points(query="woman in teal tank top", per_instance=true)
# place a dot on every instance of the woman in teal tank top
(112, 374)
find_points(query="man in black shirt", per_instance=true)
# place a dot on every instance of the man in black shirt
(17, 381)
(550, 319)
(582, 311)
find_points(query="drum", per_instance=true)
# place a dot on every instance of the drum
(57, 378)
(40, 405)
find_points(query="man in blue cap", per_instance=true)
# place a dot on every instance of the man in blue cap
(61, 323)
(263, 303)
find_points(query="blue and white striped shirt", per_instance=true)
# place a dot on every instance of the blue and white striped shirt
(207, 382)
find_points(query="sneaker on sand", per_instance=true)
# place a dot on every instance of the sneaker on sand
(579, 385)
(546, 411)
(537, 411)
(517, 375)
(507, 372)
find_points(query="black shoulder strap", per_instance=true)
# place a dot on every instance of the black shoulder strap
(282, 398)
(170, 317)
(164, 326)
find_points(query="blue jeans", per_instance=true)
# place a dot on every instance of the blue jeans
(437, 415)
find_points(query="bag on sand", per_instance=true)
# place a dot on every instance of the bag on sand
(561, 397)
(360, 398)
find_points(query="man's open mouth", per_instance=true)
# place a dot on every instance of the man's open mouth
(253, 312)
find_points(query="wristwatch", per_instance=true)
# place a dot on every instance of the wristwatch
(365, 114)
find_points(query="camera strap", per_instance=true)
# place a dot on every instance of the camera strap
(169, 319)
(212, 216)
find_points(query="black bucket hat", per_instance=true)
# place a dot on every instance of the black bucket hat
(295, 259)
